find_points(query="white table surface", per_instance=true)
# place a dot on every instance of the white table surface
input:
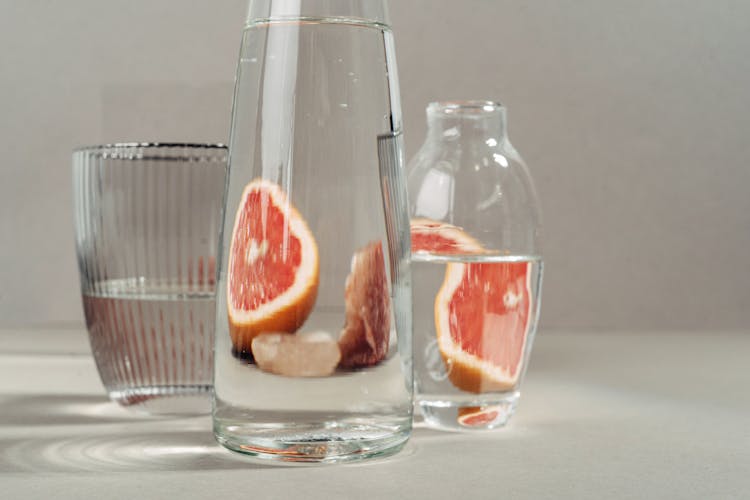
(602, 415)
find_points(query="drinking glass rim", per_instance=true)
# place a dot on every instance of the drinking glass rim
(282, 19)
(136, 150)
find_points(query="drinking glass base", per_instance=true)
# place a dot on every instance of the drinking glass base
(165, 400)
(313, 443)
(471, 415)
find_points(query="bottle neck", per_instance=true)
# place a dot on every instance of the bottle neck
(460, 120)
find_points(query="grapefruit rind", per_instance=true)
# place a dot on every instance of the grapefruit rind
(467, 371)
(288, 311)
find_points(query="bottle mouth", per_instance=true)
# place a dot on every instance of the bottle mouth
(468, 108)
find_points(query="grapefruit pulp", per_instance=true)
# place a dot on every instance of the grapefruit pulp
(482, 316)
(478, 416)
(438, 237)
(272, 280)
(366, 334)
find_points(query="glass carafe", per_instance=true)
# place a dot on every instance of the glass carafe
(313, 329)
(476, 267)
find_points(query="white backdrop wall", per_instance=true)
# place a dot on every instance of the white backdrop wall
(633, 116)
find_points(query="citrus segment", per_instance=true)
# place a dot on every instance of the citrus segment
(438, 237)
(482, 315)
(272, 277)
(366, 334)
(479, 417)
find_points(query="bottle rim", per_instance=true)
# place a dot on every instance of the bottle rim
(465, 107)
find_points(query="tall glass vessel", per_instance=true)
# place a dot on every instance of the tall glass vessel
(477, 266)
(313, 330)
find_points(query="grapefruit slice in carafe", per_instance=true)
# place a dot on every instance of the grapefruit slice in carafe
(272, 276)
(365, 337)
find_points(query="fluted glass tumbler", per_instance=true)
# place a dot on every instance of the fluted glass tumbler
(313, 324)
(147, 220)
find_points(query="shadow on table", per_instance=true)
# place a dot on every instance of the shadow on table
(51, 433)
(52, 409)
(90, 434)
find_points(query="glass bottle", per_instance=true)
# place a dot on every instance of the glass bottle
(476, 266)
(313, 330)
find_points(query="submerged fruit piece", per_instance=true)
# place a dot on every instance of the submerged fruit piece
(310, 354)
(438, 237)
(272, 276)
(478, 416)
(365, 336)
(482, 316)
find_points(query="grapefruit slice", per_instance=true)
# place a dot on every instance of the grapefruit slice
(432, 236)
(366, 334)
(272, 277)
(482, 315)
(478, 416)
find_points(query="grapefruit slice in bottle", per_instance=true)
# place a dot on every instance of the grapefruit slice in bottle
(439, 237)
(482, 315)
(272, 280)
(482, 311)
(481, 417)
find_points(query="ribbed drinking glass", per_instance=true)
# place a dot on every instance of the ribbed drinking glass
(147, 220)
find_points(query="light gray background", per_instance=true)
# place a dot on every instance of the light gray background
(633, 116)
